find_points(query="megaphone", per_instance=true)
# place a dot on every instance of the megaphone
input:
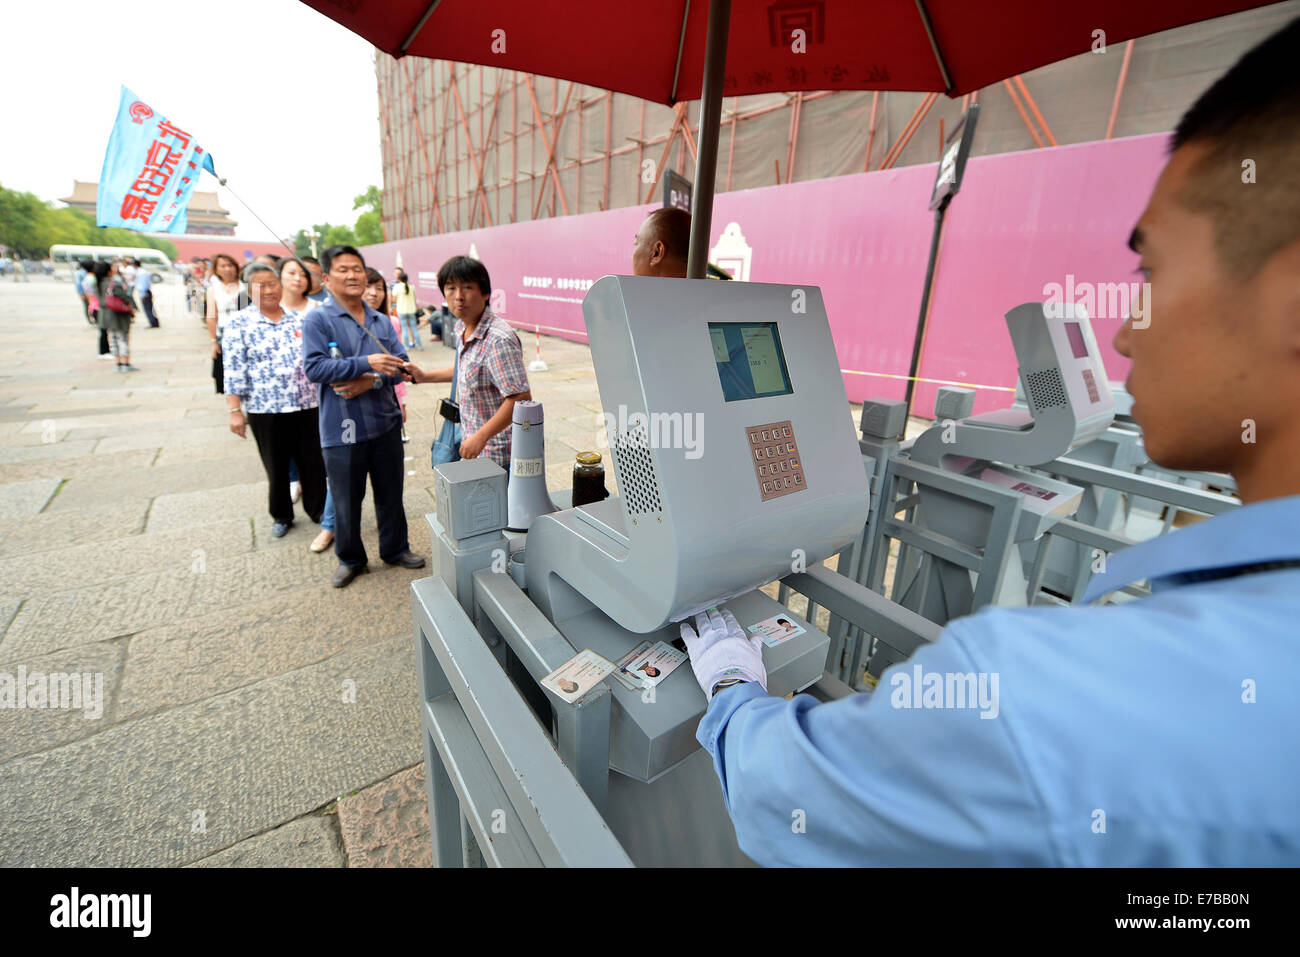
(526, 494)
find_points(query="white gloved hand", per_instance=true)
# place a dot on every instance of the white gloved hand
(719, 650)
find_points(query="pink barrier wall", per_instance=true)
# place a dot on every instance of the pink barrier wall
(1021, 221)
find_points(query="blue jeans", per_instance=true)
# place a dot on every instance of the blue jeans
(410, 325)
(327, 516)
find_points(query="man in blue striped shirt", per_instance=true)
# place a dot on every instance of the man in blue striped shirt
(1158, 732)
(360, 419)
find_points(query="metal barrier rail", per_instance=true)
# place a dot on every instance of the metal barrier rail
(499, 793)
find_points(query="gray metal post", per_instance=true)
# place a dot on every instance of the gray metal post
(706, 160)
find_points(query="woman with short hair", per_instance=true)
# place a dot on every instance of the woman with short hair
(262, 346)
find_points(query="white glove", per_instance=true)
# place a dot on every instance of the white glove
(720, 650)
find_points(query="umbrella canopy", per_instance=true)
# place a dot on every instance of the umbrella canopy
(655, 49)
(673, 50)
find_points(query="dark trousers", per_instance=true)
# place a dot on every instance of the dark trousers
(103, 342)
(219, 374)
(348, 466)
(146, 303)
(282, 436)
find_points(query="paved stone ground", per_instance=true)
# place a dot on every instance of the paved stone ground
(251, 714)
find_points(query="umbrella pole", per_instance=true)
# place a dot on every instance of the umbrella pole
(706, 161)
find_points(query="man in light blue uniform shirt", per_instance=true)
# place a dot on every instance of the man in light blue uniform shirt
(1163, 731)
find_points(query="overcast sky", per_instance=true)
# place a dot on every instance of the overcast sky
(259, 83)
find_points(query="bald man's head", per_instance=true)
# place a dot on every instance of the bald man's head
(662, 243)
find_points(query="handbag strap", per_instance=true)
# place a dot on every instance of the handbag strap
(455, 374)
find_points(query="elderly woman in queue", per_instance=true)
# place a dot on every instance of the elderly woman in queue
(267, 391)
(222, 303)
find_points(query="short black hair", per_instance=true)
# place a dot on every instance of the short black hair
(1249, 120)
(464, 269)
(334, 252)
(311, 259)
(672, 227)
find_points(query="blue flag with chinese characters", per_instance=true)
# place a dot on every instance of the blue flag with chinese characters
(150, 171)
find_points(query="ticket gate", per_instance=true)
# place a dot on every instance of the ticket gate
(518, 774)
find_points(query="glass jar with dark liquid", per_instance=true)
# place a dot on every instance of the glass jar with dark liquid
(588, 479)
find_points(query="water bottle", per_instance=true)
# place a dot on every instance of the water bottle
(335, 352)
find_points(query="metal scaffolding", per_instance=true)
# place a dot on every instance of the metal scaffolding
(467, 146)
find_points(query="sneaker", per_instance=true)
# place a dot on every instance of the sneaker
(405, 437)
(130, 368)
(280, 529)
(106, 355)
(295, 491)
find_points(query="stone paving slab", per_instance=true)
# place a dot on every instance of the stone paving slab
(58, 568)
(311, 841)
(387, 824)
(173, 439)
(236, 764)
(30, 729)
(81, 466)
(123, 484)
(7, 611)
(183, 661)
(57, 529)
(112, 422)
(26, 498)
(33, 449)
(48, 622)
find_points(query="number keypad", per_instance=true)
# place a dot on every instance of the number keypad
(778, 467)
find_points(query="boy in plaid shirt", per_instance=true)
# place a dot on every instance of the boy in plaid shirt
(490, 364)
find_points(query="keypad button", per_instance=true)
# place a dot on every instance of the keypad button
(758, 454)
(765, 435)
(786, 431)
(753, 438)
(794, 464)
(798, 479)
(785, 482)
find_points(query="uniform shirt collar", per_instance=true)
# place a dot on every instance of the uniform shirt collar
(1263, 532)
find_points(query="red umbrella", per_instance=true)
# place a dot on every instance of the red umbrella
(676, 50)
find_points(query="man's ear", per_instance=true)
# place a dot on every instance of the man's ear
(657, 252)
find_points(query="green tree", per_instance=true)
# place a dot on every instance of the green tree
(368, 229)
(372, 199)
(30, 226)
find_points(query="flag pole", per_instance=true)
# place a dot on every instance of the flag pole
(278, 237)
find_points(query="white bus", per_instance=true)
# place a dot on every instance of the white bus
(67, 257)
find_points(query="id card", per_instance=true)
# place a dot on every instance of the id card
(777, 629)
(621, 675)
(578, 675)
(655, 664)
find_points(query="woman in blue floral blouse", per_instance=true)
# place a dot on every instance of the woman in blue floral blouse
(262, 346)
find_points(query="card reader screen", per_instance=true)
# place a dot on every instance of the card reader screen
(749, 358)
(1075, 335)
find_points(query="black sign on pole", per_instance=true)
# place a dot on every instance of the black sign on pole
(677, 191)
(955, 153)
(947, 181)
